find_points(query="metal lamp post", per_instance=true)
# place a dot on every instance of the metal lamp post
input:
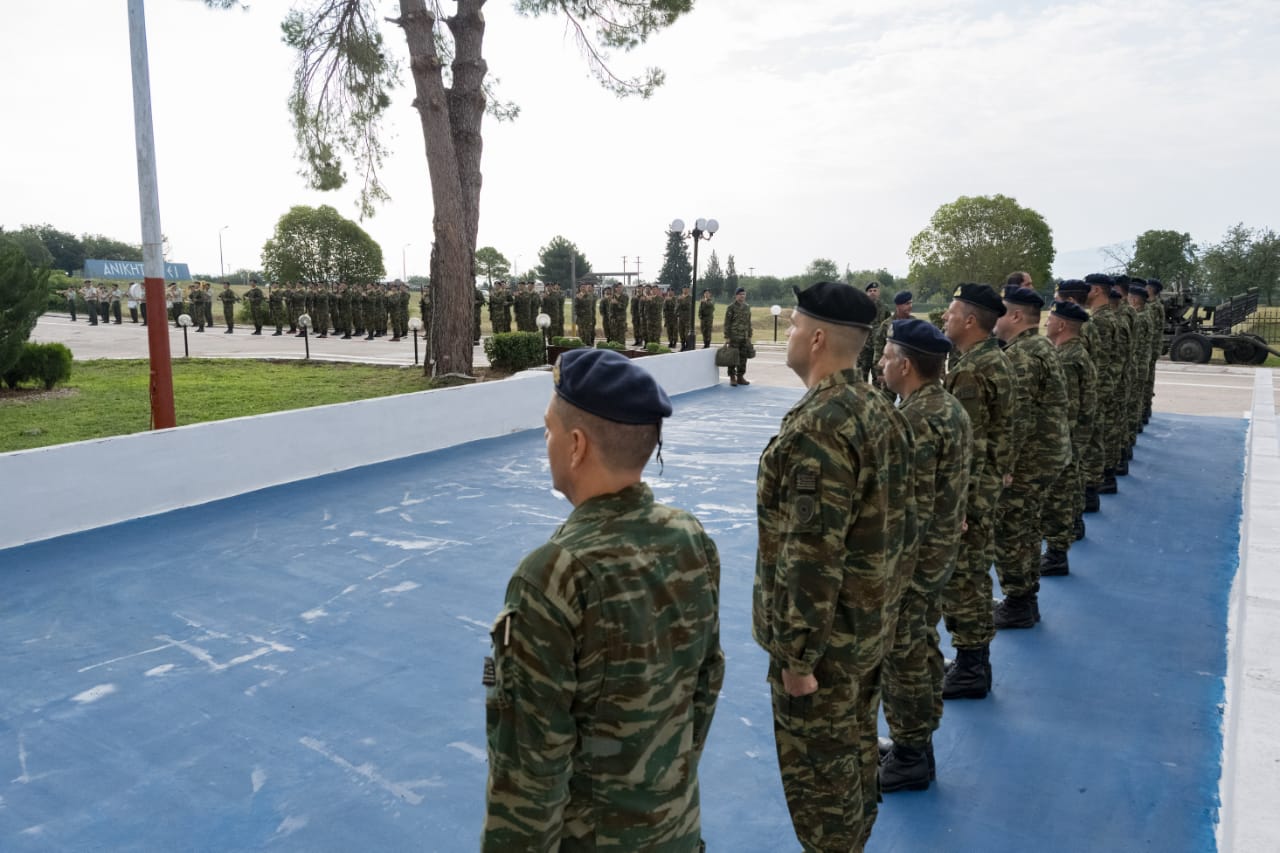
(415, 324)
(222, 267)
(305, 322)
(703, 229)
(404, 265)
(184, 320)
(775, 310)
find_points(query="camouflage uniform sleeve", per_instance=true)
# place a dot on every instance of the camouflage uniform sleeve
(711, 673)
(819, 504)
(531, 729)
(1071, 377)
(966, 388)
(1088, 390)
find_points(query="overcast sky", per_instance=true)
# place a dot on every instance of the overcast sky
(830, 128)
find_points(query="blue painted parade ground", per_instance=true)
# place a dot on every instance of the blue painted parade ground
(299, 668)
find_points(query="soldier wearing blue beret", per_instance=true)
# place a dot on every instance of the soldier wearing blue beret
(618, 612)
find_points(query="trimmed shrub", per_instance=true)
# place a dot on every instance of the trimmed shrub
(567, 343)
(655, 348)
(514, 351)
(47, 363)
(613, 345)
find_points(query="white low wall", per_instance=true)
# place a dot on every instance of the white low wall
(1249, 820)
(52, 491)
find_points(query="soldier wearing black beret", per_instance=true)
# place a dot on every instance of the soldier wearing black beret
(1155, 307)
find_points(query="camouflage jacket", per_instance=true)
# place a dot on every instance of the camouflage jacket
(1105, 360)
(835, 515)
(706, 313)
(737, 322)
(607, 665)
(1141, 340)
(1156, 309)
(1041, 432)
(943, 450)
(1081, 380)
(983, 382)
(1124, 341)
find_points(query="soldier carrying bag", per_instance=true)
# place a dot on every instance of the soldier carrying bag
(727, 356)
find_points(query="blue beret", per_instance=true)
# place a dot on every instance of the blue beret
(1155, 282)
(1138, 290)
(982, 295)
(1025, 296)
(1070, 311)
(833, 302)
(739, 290)
(902, 297)
(1074, 287)
(609, 385)
(920, 336)
(1099, 279)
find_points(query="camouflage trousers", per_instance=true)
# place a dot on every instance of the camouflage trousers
(1138, 402)
(706, 333)
(819, 755)
(1117, 426)
(1018, 535)
(966, 599)
(1063, 504)
(912, 674)
(1151, 385)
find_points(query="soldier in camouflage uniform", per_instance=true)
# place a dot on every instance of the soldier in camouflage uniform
(835, 514)
(1156, 308)
(275, 303)
(320, 310)
(195, 303)
(1042, 448)
(500, 309)
(1100, 477)
(737, 334)
(901, 311)
(1062, 517)
(229, 300)
(1118, 430)
(869, 356)
(914, 359)
(983, 381)
(670, 322)
(477, 306)
(684, 320)
(255, 299)
(706, 317)
(637, 315)
(1143, 333)
(653, 313)
(584, 314)
(424, 308)
(606, 656)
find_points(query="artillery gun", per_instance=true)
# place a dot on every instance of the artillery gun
(1193, 327)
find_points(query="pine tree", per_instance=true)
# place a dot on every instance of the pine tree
(712, 277)
(730, 278)
(676, 270)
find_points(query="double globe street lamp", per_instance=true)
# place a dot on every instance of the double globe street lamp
(703, 229)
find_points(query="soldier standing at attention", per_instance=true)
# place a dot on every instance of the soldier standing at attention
(1143, 332)
(867, 358)
(618, 613)
(901, 311)
(195, 297)
(275, 304)
(1156, 307)
(1100, 473)
(669, 319)
(737, 333)
(1124, 321)
(637, 315)
(477, 304)
(70, 295)
(983, 382)
(90, 294)
(254, 296)
(835, 513)
(706, 317)
(1041, 448)
(116, 295)
(914, 359)
(684, 320)
(1062, 516)
(229, 300)
(320, 310)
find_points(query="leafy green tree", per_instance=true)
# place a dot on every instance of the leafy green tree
(107, 249)
(1167, 255)
(342, 88)
(822, 269)
(981, 239)
(419, 282)
(676, 270)
(66, 248)
(1244, 258)
(731, 277)
(23, 298)
(712, 277)
(559, 260)
(317, 245)
(861, 278)
(30, 244)
(490, 262)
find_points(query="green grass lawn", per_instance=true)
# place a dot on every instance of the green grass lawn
(109, 397)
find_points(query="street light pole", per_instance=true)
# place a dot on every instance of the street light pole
(222, 268)
(703, 229)
(404, 266)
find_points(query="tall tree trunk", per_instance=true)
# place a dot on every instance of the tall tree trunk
(450, 348)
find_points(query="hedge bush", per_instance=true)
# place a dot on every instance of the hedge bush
(47, 363)
(655, 348)
(613, 345)
(513, 351)
(567, 343)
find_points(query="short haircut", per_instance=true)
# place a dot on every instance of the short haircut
(930, 365)
(1018, 278)
(985, 318)
(623, 447)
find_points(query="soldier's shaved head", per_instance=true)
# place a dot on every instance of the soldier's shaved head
(622, 447)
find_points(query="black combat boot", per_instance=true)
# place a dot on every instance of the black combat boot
(905, 768)
(1053, 564)
(1077, 529)
(885, 746)
(1108, 486)
(1127, 456)
(1122, 470)
(346, 336)
(1092, 503)
(1015, 611)
(276, 333)
(967, 678)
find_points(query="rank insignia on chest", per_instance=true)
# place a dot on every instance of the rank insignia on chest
(490, 678)
(806, 482)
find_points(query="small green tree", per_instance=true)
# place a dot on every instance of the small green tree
(317, 245)
(559, 260)
(23, 297)
(982, 239)
(731, 277)
(108, 249)
(821, 269)
(491, 263)
(66, 248)
(676, 269)
(1167, 255)
(1244, 258)
(713, 277)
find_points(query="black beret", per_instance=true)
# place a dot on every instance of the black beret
(1116, 292)
(872, 284)
(833, 302)
(610, 385)
(1025, 296)
(1138, 281)
(1010, 289)
(1155, 282)
(1074, 287)
(1070, 311)
(1138, 290)
(982, 295)
(1122, 280)
(920, 336)
(902, 297)
(739, 290)
(1099, 279)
